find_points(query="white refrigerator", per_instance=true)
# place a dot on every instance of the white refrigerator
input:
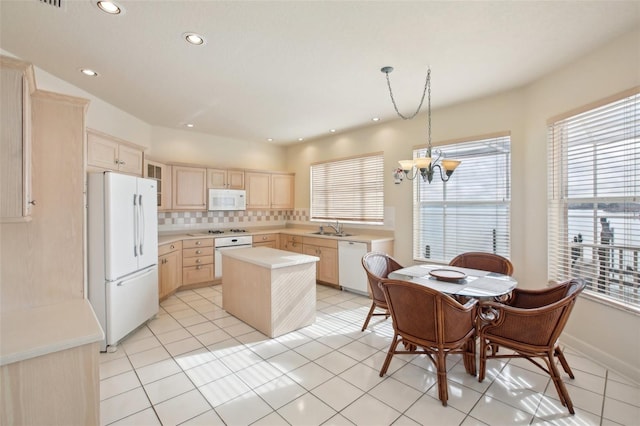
(122, 236)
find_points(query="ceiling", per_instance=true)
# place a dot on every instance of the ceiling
(296, 69)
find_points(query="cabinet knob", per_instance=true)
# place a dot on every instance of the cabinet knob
(32, 202)
(199, 267)
(172, 246)
(198, 260)
(116, 161)
(198, 251)
(122, 163)
(264, 238)
(198, 243)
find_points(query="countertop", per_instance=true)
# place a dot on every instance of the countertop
(269, 258)
(42, 330)
(173, 236)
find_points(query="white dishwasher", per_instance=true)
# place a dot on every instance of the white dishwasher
(352, 276)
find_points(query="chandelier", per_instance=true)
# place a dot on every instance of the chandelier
(423, 166)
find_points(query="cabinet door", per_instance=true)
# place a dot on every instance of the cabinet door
(15, 143)
(130, 160)
(102, 152)
(162, 174)
(328, 265)
(170, 273)
(258, 187)
(189, 188)
(282, 190)
(235, 179)
(216, 178)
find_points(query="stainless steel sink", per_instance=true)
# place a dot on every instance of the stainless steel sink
(332, 234)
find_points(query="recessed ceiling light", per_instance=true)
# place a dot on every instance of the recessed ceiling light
(375, 119)
(194, 38)
(189, 125)
(300, 139)
(332, 130)
(89, 72)
(269, 139)
(109, 7)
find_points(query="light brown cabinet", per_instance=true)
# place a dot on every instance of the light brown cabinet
(197, 261)
(169, 268)
(189, 189)
(269, 190)
(110, 153)
(282, 191)
(162, 174)
(225, 178)
(15, 146)
(291, 243)
(266, 240)
(327, 251)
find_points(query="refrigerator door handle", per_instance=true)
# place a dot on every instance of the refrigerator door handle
(136, 218)
(142, 224)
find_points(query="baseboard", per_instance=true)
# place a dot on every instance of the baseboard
(628, 371)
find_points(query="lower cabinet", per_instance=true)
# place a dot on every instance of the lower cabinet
(197, 261)
(169, 268)
(291, 243)
(327, 251)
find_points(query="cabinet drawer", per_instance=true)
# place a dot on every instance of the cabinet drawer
(321, 242)
(197, 274)
(193, 252)
(292, 238)
(199, 260)
(264, 238)
(170, 247)
(203, 242)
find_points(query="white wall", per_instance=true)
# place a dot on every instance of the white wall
(609, 335)
(188, 146)
(101, 115)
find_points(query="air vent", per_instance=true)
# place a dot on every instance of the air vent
(54, 3)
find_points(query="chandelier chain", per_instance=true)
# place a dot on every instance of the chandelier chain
(427, 86)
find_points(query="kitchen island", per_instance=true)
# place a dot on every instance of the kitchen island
(272, 290)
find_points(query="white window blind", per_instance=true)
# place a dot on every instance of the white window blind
(594, 205)
(470, 212)
(348, 190)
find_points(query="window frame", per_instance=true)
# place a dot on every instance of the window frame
(497, 142)
(337, 192)
(562, 195)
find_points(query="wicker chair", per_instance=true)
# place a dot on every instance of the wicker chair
(377, 266)
(431, 323)
(530, 324)
(483, 261)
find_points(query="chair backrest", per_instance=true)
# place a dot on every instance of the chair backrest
(378, 266)
(483, 261)
(539, 326)
(529, 299)
(427, 317)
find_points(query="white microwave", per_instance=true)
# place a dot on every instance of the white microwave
(227, 199)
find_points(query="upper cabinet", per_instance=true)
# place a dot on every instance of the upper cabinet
(225, 178)
(189, 191)
(17, 83)
(110, 153)
(269, 190)
(282, 190)
(162, 174)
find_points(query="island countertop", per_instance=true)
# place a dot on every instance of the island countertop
(270, 258)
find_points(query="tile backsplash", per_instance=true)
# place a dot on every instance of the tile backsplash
(168, 221)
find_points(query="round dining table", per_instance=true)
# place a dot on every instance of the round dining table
(457, 281)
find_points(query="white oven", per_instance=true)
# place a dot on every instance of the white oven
(228, 243)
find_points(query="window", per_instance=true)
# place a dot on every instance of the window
(594, 209)
(470, 212)
(348, 190)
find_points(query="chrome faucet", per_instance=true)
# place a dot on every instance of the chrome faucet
(337, 227)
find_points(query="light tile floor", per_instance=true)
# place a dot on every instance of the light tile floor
(196, 365)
